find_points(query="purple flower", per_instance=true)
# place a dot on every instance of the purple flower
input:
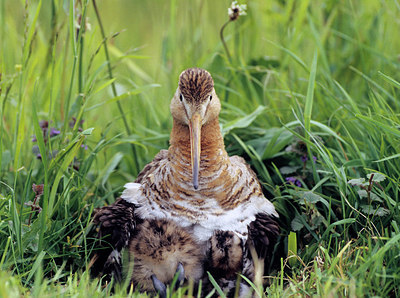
(291, 179)
(294, 181)
(314, 158)
(54, 132)
(34, 139)
(304, 158)
(84, 146)
(39, 156)
(73, 121)
(44, 124)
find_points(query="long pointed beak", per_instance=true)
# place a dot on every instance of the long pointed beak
(195, 141)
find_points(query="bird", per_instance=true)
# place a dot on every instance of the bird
(160, 250)
(215, 197)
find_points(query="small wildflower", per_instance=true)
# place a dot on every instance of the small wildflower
(34, 139)
(236, 10)
(314, 159)
(88, 25)
(290, 179)
(44, 124)
(293, 181)
(304, 158)
(73, 122)
(84, 146)
(38, 189)
(54, 132)
(39, 156)
(78, 23)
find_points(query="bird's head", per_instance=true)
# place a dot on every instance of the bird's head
(195, 104)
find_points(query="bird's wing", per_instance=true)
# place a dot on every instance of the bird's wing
(250, 182)
(116, 223)
(152, 166)
(263, 231)
(263, 234)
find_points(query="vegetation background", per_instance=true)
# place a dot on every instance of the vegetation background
(310, 97)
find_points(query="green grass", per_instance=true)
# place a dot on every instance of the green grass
(306, 79)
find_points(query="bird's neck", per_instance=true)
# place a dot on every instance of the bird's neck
(212, 144)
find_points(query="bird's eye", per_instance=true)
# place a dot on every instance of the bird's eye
(210, 97)
(180, 97)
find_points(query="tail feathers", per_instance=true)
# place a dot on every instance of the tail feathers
(116, 224)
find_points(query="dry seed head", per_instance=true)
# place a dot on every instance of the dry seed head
(236, 10)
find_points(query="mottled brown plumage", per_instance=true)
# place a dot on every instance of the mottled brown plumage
(116, 226)
(196, 84)
(225, 256)
(199, 187)
(157, 247)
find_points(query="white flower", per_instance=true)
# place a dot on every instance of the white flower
(236, 10)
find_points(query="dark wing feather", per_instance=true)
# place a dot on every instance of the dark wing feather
(263, 235)
(116, 224)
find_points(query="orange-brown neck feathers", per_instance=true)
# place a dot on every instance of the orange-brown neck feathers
(211, 137)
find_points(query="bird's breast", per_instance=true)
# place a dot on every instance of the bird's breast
(227, 199)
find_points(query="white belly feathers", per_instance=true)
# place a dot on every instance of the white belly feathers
(236, 220)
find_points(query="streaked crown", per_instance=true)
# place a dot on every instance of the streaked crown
(195, 84)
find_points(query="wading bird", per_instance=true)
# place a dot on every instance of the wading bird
(195, 184)
(159, 250)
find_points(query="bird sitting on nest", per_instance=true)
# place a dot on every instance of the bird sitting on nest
(217, 199)
(161, 249)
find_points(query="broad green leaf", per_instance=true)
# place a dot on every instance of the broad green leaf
(377, 177)
(88, 132)
(244, 121)
(288, 170)
(357, 182)
(297, 223)
(368, 209)
(363, 194)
